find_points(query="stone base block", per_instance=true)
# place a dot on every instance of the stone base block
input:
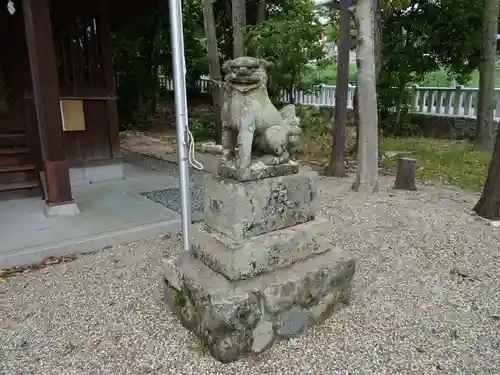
(245, 209)
(240, 318)
(57, 210)
(256, 255)
(210, 148)
(257, 171)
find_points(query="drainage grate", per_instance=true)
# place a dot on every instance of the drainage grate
(171, 198)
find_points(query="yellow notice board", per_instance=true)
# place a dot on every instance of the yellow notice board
(72, 115)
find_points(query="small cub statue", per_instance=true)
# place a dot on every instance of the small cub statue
(250, 121)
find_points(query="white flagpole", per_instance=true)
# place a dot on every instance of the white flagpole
(181, 114)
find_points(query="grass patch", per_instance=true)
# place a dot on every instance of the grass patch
(201, 349)
(445, 161)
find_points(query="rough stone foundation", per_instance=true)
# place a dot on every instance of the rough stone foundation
(239, 318)
(260, 269)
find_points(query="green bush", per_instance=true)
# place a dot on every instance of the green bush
(202, 128)
(313, 121)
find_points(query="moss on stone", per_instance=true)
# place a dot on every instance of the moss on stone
(179, 297)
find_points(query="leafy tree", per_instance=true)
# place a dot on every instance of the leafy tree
(289, 38)
(139, 51)
(194, 36)
(142, 48)
(404, 59)
(453, 34)
(421, 36)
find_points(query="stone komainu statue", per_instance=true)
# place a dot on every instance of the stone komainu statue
(250, 121)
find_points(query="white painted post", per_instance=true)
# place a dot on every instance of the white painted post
(350, 96)
(467, 103)
(497, 107)
(474, 102)
(423, 95)
(415, 98)
(439, 101)
(430, 100)
(448, 102)
(458, 100)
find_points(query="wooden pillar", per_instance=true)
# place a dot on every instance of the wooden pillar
(104, 33)
(46, 97)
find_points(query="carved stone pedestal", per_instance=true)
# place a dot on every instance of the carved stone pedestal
(262, 268)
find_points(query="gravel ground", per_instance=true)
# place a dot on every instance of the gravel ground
(426, 300)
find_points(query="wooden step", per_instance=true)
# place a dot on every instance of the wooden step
(17, 173)
(10, 140)
(13, 150)
(19, 190)
(14, 156)
(11, 122)
(18, 186)
(17, 168)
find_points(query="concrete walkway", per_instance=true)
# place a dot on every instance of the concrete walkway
(111, 213)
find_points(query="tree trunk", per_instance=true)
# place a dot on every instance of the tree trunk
(367, 174)
(355, 111)
(337, 163)
(378, 66)
(377, 32)
(399, 104)
(261, 11)
(213, 64)
(405, 178)
(486, 96)
(489, 204)
(239, 20)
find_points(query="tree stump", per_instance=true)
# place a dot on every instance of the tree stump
(405, 178)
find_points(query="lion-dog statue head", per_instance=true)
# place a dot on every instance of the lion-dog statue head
(246, 73)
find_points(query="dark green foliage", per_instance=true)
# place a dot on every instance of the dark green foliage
(314, 122)
(202, 128)
(142, 50)
(420, 37)
(290, 39)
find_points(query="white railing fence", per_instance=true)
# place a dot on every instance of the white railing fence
(442, 101)
(447, 101)
(168, 84)
(323, 96)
